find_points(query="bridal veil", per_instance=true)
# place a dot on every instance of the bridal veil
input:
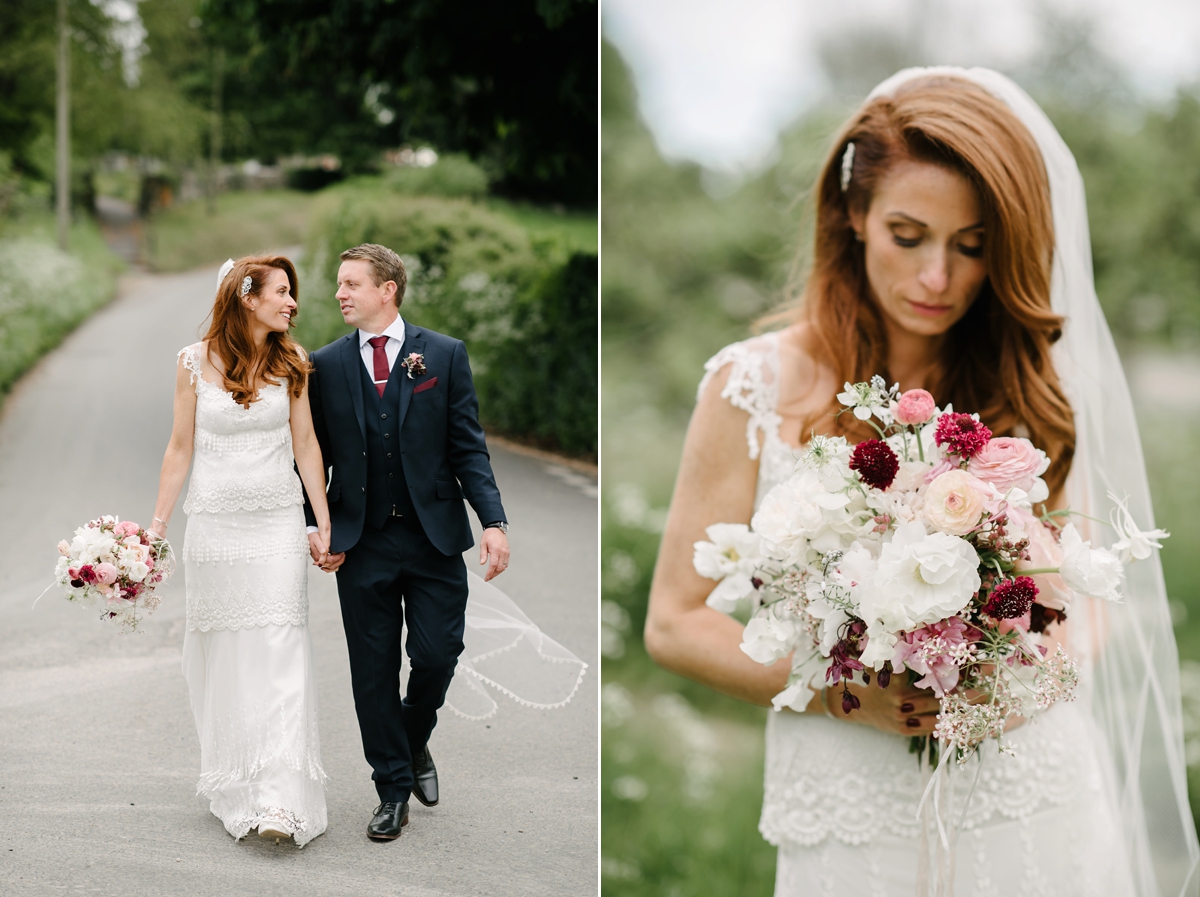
(1127, 652)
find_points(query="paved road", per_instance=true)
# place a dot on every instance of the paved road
(98, 751)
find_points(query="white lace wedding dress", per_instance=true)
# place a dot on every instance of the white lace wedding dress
(247, 655)
(840, 799)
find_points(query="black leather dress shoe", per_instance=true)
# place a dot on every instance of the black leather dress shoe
(425, 786)
(389, 818)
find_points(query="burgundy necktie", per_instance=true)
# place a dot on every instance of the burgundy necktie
(381, 365)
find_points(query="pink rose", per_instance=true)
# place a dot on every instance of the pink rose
(126, 528)
(1006, 462)
(106, 573)
(915, 407)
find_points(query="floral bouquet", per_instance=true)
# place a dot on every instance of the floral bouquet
(917, 552)
(116, 564)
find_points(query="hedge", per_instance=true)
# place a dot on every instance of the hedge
(525, 307)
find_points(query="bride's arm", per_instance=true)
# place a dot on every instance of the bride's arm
(716, 484)
(178, 456)
(310, 465)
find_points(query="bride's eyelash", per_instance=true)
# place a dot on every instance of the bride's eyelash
(906, 242)
(971, 251)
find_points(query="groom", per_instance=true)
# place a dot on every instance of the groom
(395, 413)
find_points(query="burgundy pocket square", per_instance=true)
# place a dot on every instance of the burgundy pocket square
(428, 384)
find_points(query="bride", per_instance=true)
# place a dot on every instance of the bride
(951, 254)
(241, 406)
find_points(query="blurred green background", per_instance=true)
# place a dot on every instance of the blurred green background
(691, 261)
(202, 129)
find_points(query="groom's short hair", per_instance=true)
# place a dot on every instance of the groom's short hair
(385, 266)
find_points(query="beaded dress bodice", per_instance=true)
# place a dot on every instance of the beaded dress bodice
(827, 778)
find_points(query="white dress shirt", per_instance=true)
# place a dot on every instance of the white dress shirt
(395, 334)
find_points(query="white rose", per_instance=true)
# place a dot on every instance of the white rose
(766, 639)
(795, 511)
(1090, 571)
(919, 579)
(137, 571)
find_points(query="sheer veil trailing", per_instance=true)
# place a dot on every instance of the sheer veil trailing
(1127, 651)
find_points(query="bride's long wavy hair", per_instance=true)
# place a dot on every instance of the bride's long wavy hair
(996, 360)
(229, 335)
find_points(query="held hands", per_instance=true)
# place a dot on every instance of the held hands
(493, 551)
(318, 548)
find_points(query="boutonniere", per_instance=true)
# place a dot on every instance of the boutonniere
(414, 363)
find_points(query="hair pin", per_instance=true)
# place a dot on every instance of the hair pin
(247, 282)
(847, 165)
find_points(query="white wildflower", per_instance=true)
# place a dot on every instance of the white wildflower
(1090, 571)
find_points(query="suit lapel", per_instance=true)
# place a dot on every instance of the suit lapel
(412, 343)
(351, 362)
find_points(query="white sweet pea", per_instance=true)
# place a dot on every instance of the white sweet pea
(919, 579)
(1090, 571)
(766, 638)
(732, 546)
(800, 690)
(1134, 544)
(731, 558)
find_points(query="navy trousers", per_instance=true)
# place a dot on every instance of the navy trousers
(395, 576)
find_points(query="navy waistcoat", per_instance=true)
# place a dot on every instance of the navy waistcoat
(386, 485)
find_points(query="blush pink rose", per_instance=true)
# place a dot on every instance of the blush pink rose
(1007, 461)
(126, 528)
(954, 502)
(106, 573)
(915, 407)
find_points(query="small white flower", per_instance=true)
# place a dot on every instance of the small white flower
(767, 638)
(868, 399)
(1090, 571)
(1134, 544)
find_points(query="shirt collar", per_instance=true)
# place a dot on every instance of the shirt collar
(395, 330)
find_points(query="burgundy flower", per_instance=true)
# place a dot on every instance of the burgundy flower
(87, 573)
(1012, 599)
(961, 434)
(885, 675)
(875, 462)
(849, 701)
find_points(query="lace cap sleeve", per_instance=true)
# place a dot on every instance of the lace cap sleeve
(191, 361)
(753, 384)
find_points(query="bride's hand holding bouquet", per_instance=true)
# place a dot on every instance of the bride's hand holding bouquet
(916, 555)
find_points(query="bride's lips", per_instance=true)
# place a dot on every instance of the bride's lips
(929, 311)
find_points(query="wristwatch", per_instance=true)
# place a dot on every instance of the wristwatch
(500, 525)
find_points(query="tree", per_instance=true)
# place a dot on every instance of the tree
(513, 84)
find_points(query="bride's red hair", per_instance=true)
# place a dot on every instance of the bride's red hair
(229, 336)
(997, 357)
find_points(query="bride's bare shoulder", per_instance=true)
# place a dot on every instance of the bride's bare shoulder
(804, 381)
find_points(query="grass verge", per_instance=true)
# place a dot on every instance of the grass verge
(186, 236)
(46, 293)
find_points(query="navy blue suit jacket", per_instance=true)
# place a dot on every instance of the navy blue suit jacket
(442, 446)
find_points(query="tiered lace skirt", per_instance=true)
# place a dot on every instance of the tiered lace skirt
(247, 658)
